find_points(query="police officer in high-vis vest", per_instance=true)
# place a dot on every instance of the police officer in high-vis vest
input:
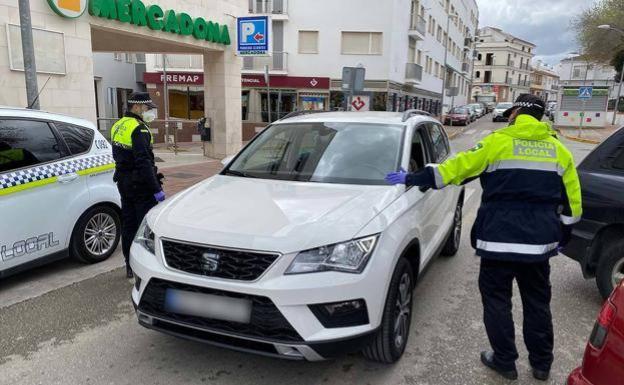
(531, 197)
(136, 174)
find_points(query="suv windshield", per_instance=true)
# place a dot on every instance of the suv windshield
(503, 106)
(347, 153)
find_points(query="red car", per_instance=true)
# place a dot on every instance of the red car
(458, 116)
(603, 363)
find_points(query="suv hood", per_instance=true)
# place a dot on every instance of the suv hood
(269, 215)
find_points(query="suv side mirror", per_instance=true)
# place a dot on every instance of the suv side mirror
(225, 161)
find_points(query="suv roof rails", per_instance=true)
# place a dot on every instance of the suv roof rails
(299, 113)
(409, 113)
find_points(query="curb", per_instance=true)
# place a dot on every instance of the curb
(577, 139)
(456, 133)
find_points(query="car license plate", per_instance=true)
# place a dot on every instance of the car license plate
(208, 306)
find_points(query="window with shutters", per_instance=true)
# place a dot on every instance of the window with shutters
(362, 43)
(308, 42)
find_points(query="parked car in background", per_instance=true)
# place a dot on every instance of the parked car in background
(299, 246)
(497, 114)
(479, 108)
(489, 107)
(598, 239)
(57, 195)
(474, 115)
(458, 116)
(603, 363)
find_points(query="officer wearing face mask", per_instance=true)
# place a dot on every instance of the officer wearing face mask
(136, 175)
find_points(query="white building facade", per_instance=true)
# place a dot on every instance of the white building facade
(544, 82)
(402, 45)
(502, 69)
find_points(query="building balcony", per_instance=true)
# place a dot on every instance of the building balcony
(278, 9)
(468, 42)
(418, 27)
(180, 62)
(524, 83)
(278, 62)
(413, 73)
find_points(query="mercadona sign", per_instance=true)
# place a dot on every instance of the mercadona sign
(155, 18)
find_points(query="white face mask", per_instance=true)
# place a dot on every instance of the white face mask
(150, 115)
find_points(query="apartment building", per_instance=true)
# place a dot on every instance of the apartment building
(576, 71)
(544, 82)
(410, 49)
(502, 69)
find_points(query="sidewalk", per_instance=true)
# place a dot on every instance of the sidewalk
(592, 135)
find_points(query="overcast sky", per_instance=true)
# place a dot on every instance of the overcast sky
(545, 23)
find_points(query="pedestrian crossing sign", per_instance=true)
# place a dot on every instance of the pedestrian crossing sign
(585, 92)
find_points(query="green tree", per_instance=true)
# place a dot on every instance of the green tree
(617, 61)
(599, 44)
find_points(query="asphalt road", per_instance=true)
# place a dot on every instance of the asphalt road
(69, 324)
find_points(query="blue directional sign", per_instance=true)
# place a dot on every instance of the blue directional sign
(253, 36)
(585, 92)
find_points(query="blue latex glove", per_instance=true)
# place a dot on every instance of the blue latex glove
(160, 196)
(398, 177)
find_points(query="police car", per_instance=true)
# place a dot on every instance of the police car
(57, 196)
(299, 248)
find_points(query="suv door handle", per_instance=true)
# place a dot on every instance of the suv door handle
(67, 178)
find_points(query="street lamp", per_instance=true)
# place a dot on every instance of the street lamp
(617, 97)
(448, 26)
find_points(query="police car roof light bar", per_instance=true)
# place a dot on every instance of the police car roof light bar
(409, 113)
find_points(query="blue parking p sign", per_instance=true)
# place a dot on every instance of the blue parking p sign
(253, 36)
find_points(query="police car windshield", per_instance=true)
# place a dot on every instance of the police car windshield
(346, 153)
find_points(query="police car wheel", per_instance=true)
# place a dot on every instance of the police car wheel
(451, 247)
(96, 235)
(391, 338)
(610, 270)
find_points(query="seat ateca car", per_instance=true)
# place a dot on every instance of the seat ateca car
(57, 196)
(299, 248)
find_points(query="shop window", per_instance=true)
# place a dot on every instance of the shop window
(186, 103)
(308, 42)
(245, 105)
(362, 43)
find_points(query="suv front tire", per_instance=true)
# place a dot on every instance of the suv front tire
(389, 343)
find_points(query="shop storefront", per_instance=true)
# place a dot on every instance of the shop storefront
(285, 95)
(66, 33)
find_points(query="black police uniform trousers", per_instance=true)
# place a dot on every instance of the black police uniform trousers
(495, 283)
(135, 203)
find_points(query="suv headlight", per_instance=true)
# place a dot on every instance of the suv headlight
(145, 237)
(348, 257)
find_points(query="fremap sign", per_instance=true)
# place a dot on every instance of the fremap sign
(253, 36)
(148, 16)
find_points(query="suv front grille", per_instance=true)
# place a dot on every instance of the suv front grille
(215, 262)
(266, 321)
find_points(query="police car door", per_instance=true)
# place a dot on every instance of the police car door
(37, 192)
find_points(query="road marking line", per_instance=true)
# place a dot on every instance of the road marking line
(486, 132)
(470, 132)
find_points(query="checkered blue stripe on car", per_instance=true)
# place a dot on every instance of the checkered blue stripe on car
(37, 173)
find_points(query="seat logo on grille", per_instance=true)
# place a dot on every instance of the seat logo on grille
(210, 262)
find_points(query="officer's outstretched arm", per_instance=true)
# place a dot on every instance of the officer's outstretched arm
(142, 159)
(572, 204)
(461, 168)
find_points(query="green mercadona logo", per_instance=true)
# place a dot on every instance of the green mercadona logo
(152, 16)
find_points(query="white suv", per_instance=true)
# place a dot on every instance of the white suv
(299, 248)
(57, 196)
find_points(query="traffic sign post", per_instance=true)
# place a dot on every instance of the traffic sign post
(352, 81)
(253, 36)
(585, 94)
